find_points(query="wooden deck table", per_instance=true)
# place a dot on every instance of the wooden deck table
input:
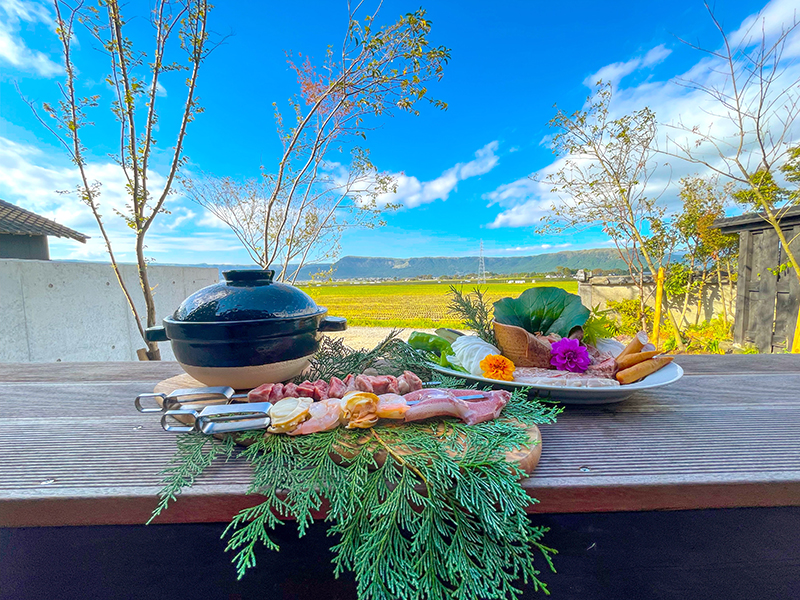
(73, 450)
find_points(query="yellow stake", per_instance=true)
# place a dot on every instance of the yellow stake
(659, 293)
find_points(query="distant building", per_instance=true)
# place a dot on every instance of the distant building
(23, 234)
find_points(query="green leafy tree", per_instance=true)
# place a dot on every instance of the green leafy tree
(299, 210)
(134, 79)
(603, 181)
(752, 139)
(703, 201)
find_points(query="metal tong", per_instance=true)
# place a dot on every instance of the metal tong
(212, 395)
(220, 419)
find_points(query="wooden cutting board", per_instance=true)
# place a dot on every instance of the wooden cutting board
(527, 458)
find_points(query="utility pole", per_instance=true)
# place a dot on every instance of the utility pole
(482, 267)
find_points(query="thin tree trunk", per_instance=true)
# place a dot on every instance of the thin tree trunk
(654, 274)
(699, 303)
(731, 289)
(153, 352)
(687, 293)
(722, 293)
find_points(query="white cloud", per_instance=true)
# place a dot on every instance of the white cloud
(180, 216)
(771, 20)
(615, 72)
(209, 219)
(533, 248)
(29, 178)
(13, 50)
(411, 192)
(525, 201)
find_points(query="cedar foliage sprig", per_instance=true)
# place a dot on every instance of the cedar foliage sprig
(195, 452)
(473, 309)
(420, 510)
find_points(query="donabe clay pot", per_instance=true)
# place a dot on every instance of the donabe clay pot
(246, 331)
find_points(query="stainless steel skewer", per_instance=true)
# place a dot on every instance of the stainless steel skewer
(216, 409)
(220, 419)
(218, 395)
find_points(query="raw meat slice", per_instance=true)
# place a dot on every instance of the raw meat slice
(305, 390)
(441, 401)
(364, 384)
(604, 368)
(384, 384)
(408, 382)
(336, 388)
(320, 390)
(276, 394)
(261, 393)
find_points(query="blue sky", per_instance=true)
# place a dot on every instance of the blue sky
(462, 174)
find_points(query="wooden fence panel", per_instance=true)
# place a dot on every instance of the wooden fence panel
(767, 301)
(742, 315)
(793, 296)
(766, 257)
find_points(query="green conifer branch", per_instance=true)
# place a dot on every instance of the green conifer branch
(421, 510)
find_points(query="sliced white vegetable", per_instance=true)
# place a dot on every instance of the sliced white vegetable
(469, 351)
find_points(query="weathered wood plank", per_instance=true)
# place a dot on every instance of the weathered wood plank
(783, 316)
(148, 372)
(710, 364)
(794, 288)
(766, 254)
(74, 453)
(89, 371)
(743, 286)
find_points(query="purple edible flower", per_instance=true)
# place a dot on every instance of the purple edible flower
(569, 355)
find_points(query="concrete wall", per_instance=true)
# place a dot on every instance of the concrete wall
(599, 290)
(76, 311)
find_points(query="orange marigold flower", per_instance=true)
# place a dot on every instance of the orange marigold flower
(496, 366)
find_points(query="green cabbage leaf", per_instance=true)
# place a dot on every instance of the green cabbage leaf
(542, 309)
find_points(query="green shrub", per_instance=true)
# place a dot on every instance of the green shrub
(705, 337)
(628, 315)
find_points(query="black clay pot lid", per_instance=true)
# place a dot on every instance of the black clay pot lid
(246, 295)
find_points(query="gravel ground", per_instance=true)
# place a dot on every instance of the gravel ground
(369, 337)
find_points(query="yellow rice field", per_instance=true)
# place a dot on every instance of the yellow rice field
(408, 304)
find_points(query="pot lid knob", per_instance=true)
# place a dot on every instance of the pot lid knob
(249, 276)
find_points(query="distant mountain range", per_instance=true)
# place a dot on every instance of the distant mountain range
(366, 267)
(352, 267)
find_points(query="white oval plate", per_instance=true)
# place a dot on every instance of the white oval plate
(581, 395)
